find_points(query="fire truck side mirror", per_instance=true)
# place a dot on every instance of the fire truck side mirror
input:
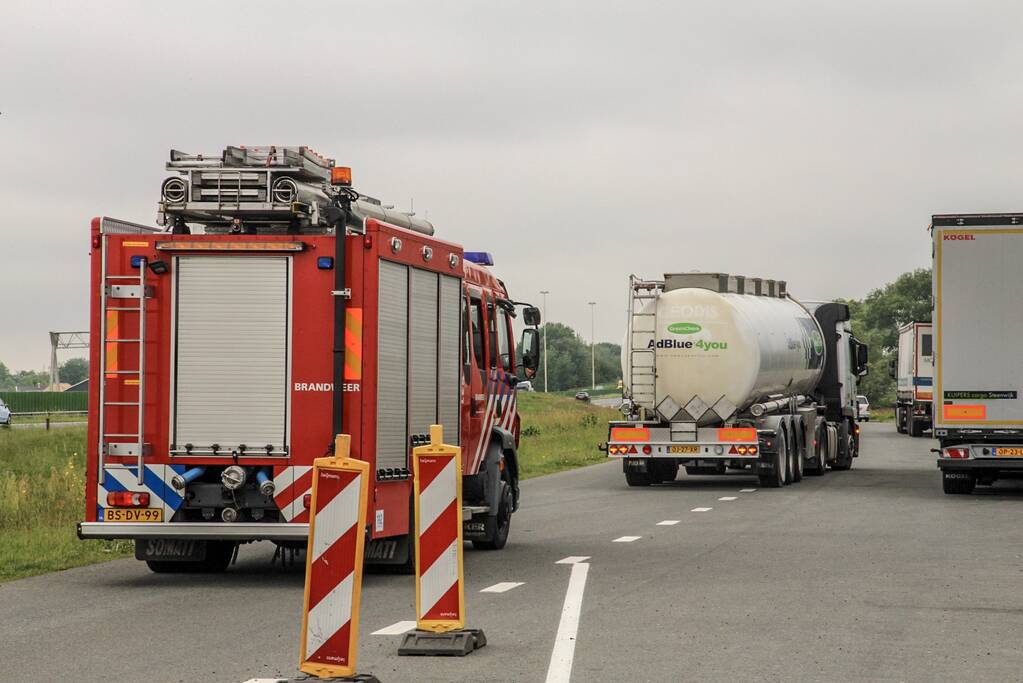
(531, 315)
(530, 346)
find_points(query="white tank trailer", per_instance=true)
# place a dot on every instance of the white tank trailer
(726, 371)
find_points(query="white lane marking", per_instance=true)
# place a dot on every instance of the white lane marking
(668, 522)
(395, 629)
(560, 668)
(625, 539)
(746, 490)
(267, 680)
(727, 498)
(573, 559)
(502, 587)
(701, 509)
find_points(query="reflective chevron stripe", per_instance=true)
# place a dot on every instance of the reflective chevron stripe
(155, 481)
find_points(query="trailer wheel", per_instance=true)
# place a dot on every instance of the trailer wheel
(916, 426)
(819, 465)
(797, 460)
(958, 483)
(664, 470)
(900, 415)
(635, 478)
(218, 558)
(775, 479)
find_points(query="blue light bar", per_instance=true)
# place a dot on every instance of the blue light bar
(325, 262)
(482, 258)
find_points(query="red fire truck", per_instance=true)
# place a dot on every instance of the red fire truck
(276, 308)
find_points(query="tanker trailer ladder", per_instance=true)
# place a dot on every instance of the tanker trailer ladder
(120, 287)
(642, 355)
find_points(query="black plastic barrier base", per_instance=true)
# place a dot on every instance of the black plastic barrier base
(450, 644)
(307, 678)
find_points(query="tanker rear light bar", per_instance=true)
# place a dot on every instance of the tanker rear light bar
(630, 434)
(734, 434)
(231, 246)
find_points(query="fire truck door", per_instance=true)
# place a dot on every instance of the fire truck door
(474, 375)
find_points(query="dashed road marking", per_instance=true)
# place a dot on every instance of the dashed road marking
(560, 668)
(727, 498)
(668, 522)
(395, 629)
(267, 680)
(626, 539)
(746, 490)
(573, 559)
(701, 509)
(502, 587)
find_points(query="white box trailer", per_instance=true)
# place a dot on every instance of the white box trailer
(978, 323)
(913, 371)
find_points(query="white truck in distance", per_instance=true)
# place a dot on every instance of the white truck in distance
(978, 325)
(913, 371)
(728, 371)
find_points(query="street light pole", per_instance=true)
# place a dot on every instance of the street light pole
(593, 356)
(544, 293)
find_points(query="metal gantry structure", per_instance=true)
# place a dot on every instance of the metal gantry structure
(60, 341)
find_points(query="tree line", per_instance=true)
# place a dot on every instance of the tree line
(71, 371)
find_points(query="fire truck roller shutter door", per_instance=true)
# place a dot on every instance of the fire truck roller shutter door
(423, 327)
(449, 379)
(392, 366)
(231, 379)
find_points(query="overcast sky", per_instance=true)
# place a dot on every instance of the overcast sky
(579, 142)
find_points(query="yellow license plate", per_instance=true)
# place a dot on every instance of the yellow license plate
(1009, 452)
(683, 449)
(133, 515)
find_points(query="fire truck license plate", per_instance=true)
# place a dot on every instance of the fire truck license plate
(133, 515)
(683, 449)
(1009, 452)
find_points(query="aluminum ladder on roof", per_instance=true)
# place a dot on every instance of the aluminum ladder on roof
(122, 289)
(642, 358)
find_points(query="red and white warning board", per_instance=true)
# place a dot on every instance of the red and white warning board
(333, 573)
(440, 594)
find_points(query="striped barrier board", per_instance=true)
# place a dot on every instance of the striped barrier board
(440, 588)
(333, 574)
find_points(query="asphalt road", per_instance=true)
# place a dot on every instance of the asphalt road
(867, 575)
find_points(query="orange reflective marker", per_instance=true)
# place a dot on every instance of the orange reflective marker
(978, 412)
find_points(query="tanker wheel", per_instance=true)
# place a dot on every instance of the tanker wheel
(797, 461)
(775, 478)
(665, 471)
(634, 477)
(844, 458)
(790, 464)
(819, 459)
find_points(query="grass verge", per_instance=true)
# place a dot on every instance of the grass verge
(882, 414)
(42, 496)
(54, 417)
(560, 433)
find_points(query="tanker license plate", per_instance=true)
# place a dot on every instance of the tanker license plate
(133, 515)
(1008, 452)
(683, 449)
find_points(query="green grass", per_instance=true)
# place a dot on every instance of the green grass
(42, 496)
(882, 414)
(54, 417)
(560, 433)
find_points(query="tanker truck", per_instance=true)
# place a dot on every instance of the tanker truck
(724, 371)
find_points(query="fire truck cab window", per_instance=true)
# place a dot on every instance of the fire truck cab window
(503, 350)
(476, 325)
(492, 327)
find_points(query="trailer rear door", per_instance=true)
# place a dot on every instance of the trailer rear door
(231, 357)
(978, 323)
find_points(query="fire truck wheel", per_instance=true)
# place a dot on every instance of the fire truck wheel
(218, 558)
(775, 478)
(497, 527)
